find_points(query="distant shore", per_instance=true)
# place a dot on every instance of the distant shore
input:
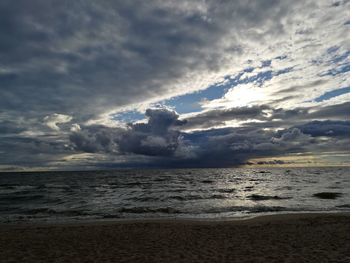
(311, 237)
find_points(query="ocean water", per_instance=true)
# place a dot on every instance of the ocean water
(183, 193)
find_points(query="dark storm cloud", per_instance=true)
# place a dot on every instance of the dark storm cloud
(225, 147)
(41, 150)
(160, 142)
(157, 137)
(326, 128)
(9, 127)
(162, 136)
(93, 139)
(337, 111)
(237, 145)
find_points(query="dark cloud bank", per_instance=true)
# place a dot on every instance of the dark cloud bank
(163, 140)
(167, 140)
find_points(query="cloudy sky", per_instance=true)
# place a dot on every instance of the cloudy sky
(104, 84)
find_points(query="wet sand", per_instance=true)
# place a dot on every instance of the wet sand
(279, 238)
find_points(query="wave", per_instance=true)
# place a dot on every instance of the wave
(207, 181)
(218, 197)
(343, 206)
(195, 197)
(265, 209)
(23, 198)
(8, 186)
(246, 209)
(327, 195)
(143, 199)
(228, 191)
(49, 211)
(162, 179)
(143, 210)
(184, 198)
(257, 197)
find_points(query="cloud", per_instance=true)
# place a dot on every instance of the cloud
(293, 140)
(37, 151)
(116, 54)
(94, 139)
(10, 127)
(53, 120)
(218, 117)
(162, 136)
(326, 128)
(75, 127)
(162, 141)
(157, 137)
(272, 61)
(334, 111)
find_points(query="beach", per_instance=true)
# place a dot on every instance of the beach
(273, 238)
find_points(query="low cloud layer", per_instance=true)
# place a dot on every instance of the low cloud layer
(161, 136)
(157, 137)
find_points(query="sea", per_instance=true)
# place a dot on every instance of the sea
(171, 193)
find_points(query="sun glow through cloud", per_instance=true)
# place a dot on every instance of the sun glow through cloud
(239, 96)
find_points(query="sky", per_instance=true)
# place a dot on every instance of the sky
(173, 84)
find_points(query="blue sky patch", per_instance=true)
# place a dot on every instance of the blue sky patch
(332, 94)
(266, 63)
(337, 71)
(340, 61)
(128, 116)
(341, 57)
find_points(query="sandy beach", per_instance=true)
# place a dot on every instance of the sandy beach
(278, 238)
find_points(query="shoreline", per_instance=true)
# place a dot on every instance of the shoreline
(241, 219)
(257, 166)
(303, 237)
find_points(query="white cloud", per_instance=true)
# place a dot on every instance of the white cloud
(75, 127)
(53, 120)
(240, 96)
